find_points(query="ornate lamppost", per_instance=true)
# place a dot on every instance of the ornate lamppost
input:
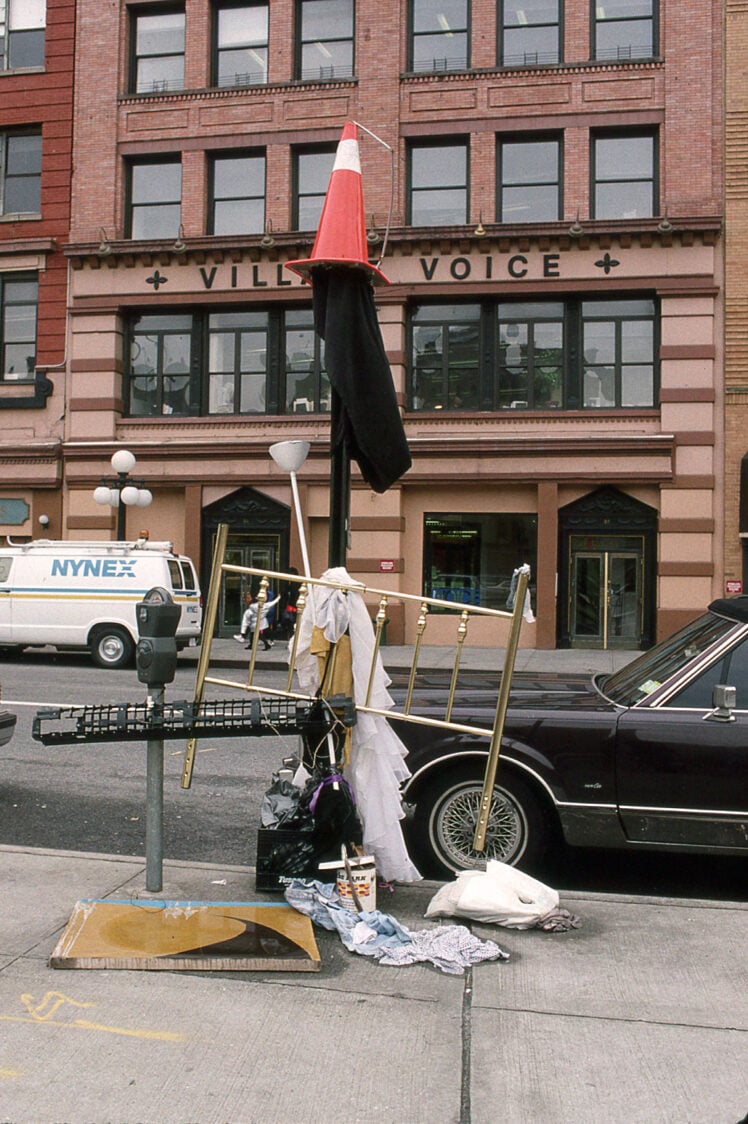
(122, 491)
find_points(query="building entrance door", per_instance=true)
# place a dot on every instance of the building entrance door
(605, 592)
(261, 552)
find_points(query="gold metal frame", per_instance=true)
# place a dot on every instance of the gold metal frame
(426, 604)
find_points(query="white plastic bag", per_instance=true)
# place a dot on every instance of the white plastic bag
(500, 895)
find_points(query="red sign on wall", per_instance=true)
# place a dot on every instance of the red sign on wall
(733, 586)
(386, 565)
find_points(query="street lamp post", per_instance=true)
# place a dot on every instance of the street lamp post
(122, 491)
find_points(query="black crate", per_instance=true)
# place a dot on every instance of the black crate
(279, 860)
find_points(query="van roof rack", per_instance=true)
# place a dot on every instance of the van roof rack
(104, 545)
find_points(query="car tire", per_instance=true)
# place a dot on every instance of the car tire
(446, 812)
(112, 647)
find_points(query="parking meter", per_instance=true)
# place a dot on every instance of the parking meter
(156, 651)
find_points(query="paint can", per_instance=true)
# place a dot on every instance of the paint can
(363, 873)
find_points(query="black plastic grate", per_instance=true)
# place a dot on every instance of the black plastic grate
(256, 717)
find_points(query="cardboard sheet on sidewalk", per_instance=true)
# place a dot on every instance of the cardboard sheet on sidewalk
(195, 936)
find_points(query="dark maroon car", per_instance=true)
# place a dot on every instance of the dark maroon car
(652, 756)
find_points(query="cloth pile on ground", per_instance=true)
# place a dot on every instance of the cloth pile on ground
(502, 895)
(376, 768)
(451, 948)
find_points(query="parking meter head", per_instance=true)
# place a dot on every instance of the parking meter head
(156, 652)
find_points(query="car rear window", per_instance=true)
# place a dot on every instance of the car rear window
(190, 581)
(175, 573)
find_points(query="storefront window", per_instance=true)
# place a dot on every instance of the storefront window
(470, 558)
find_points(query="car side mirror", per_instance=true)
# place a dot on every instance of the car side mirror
(724, 700)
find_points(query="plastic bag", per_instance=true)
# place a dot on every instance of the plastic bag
(500, 895)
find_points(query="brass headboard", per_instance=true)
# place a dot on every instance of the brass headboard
(306, 586)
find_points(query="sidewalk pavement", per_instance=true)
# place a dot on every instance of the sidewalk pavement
(638, 1017)
(229, 653)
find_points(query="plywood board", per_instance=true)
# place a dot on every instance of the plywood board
(198, 936)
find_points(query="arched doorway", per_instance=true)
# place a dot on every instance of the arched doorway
(258, 536)
(607, 547)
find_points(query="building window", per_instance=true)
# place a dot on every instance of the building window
(241, 44)
(20, 173)
(159, 367)
(446, 357)
(237, 194)
(155, 209)
(470, 558)
(307, 387)
(623, 175)
(22, 30)
(18, 303)
(623, 29)
(439, 35)
(325, 47)
(529, 179)
(311, 176)
(157, 51)
(618, 346)
(255, 361)
(237, 362)
(438, 177)
(531, 353)
(530, 32)
(534, 355)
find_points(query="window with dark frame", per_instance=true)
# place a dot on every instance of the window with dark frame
(623, 29)
(256, 362)
(155, 199)
(237, 193)
(324, 40)
(470, 557)
(534, 355)
(529, 179)
(624, 181)
(530, 33)
(20, 173)
(159, 366)
(241, 44)
(439, 37)
(22, 34)
(311, 175)
(438, 184)
(157, 50)
(19, 299)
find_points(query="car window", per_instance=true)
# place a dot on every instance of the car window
(175, 573)
(189, 575)
(637, 680)
(731, 669)
(5, 564)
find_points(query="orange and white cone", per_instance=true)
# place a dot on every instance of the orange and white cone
(341, 234)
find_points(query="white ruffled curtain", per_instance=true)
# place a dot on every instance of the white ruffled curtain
(377, 764)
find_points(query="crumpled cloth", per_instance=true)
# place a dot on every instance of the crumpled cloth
(559, 921)
(451, 948)
(376, 768)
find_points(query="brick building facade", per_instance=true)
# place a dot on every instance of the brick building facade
(554, 321)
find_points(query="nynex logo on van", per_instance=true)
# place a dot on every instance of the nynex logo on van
(92, 568)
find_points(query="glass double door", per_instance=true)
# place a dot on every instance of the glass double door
(261, 552)
(606, 594)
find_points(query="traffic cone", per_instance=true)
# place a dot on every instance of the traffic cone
(341, 234)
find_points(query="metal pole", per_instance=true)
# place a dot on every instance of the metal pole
(121, 510)
(154, 800)
(340, 487)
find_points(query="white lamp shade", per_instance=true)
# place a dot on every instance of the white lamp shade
(123, 461)
(145, 497)
(102, 494)
(290, 455)
(129, 495)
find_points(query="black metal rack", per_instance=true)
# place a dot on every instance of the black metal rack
(255, 717)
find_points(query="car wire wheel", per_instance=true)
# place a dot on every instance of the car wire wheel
(455, 819)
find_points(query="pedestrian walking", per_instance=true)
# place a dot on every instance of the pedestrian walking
(249, 622)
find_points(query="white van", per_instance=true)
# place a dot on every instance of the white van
(84, 594)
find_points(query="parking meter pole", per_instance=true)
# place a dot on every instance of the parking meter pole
(154, 801)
